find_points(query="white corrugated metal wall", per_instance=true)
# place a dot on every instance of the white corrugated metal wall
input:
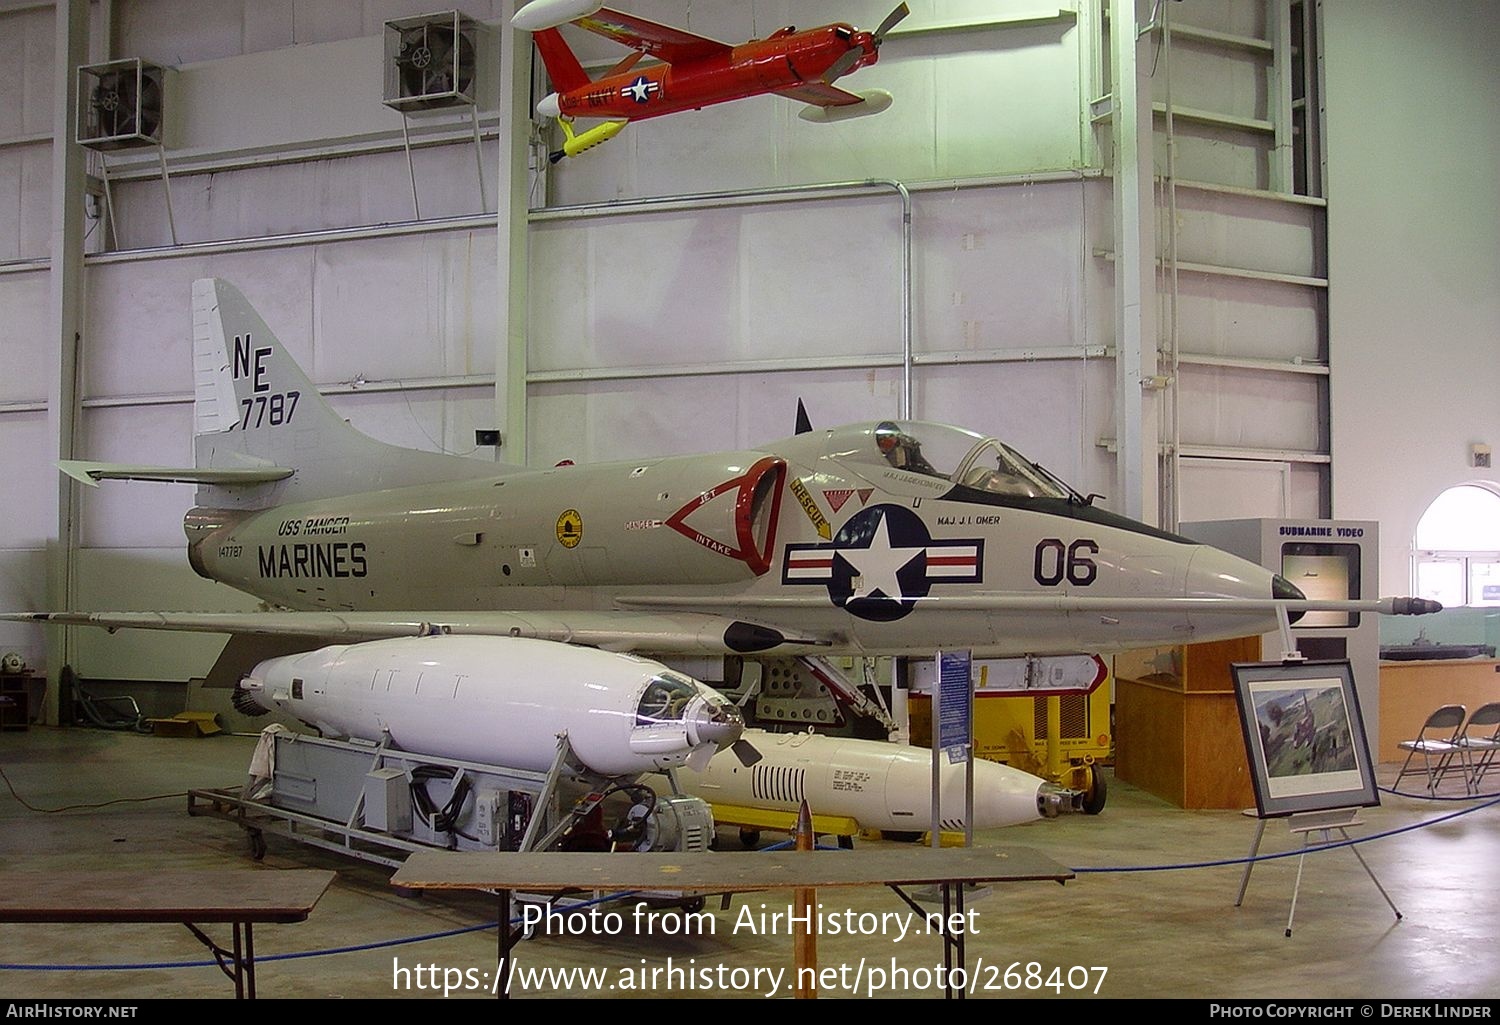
(659, 330)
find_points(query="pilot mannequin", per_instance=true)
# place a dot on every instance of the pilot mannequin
(901, 450)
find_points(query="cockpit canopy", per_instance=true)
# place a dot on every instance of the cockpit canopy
(947, 453)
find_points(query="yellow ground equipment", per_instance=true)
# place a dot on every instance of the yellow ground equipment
(1047, 716)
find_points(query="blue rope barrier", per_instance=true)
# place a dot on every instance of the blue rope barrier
(1300, 851)
(1095, 870)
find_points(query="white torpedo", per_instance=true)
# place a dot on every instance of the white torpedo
(879, 785)
(502, 701)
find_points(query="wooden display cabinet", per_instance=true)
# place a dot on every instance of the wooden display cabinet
(1177, 724)
(1411, 691)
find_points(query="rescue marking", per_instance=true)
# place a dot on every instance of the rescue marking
(810, 506)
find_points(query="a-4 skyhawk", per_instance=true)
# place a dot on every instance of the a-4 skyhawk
(881, 538)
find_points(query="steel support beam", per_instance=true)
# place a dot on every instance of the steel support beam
(66, 306)
(1135, 263)
(511, 222)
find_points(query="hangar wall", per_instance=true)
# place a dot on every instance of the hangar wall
(1414, 258)
(661, 330)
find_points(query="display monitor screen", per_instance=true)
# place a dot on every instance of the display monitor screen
(1327, 571)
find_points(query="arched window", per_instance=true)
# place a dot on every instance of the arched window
(1458, 547)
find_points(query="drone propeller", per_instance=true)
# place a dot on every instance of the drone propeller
(721, 728)
(746, 752)
(853, 56)
(890, 22)
(842, 66)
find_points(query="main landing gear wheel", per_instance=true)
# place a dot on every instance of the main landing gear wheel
(1094, 796)
(749, 838)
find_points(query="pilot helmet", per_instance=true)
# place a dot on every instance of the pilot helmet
(889, 437)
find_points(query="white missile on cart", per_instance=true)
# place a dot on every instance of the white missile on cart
(878, 784)
(503, 701)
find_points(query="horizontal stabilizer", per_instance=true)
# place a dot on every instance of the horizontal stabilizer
(92, 473)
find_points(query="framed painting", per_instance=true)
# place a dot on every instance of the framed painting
(1305, 736)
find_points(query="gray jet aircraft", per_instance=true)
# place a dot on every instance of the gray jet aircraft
(881, 538)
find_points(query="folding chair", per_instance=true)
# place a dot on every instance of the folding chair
(1437, 752)
(1479, 751)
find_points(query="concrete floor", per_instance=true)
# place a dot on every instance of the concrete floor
(1159, 934)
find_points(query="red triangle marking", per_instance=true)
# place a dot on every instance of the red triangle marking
(837, 497)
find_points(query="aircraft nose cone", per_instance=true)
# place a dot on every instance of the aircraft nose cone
(1283, 589)
(1053, 800)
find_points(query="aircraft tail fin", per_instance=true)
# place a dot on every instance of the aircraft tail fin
(254, 409)
(242, 379)
(562, 66)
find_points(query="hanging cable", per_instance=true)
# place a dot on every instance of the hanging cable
(444, 819)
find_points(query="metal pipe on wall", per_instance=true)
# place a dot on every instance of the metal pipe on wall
(406, 384)
(1172, 500)
(388, 229)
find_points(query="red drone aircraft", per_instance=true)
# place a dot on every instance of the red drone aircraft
(695, 71)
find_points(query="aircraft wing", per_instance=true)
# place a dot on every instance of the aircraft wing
(660, 41)
(821, 94)
(663, 624)
(1063, 603)
(682, 633)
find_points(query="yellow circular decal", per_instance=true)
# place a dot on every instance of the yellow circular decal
(570, 529)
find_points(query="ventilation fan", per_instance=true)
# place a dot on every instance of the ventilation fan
(431, 62)
(120, 104)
